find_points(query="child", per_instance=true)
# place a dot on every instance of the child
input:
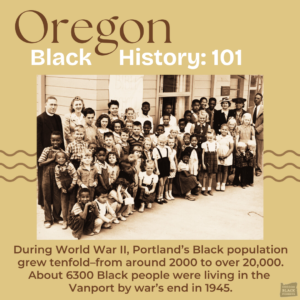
(77, 147)
(92, 135)
(83, 218)
(147, 152)
(110, 146)
(161, 156)
(166, 123)
(106, 214)
(200, 127)
(92, 147)
(232, 125)
(113, 110)
(147, 184)
(184, 181)
(102, 169)
(167, 112)
(129, 115)
(116, 127)
(251, 160)
(195, 156)
(188, 121)
(118, 195)
(181, 125)
(209, 160)
(113, 169)
(211, 110)
(147, 128)
(144, 116)
(226, 146)
(173, 166)
(160, 129)
(173, 134)
(186, 141)
(129, 125)
(195, 110)
(137, 151)
(124, 142)
(50, 190)
(87, 173)
(241, 165)
(66, 179)
(136, 136)
(103, 124)
(245, 132)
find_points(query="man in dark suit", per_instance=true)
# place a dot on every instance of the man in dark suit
(222, 116)
(258, 120)
(238, 112)
(47, 122)
(211, 111)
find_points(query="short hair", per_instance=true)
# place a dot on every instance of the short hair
(137, 123)
(88, 111)
(165, 115)
(56, 133)
(204, 114)
(146, 103)
(77, 98)
(160, 125)
(174, 128)
(93, 142)
(195, 101)
(168, 104)
(229, 103)
(99, 192)
(182, 120)
(193, 135)
(187, 112)
(84, 190)
(211, 132)
(113, 123)
(108, 134)
(223, 125)
(150, 162)
(162, 138)
(103, 116)
(61, 152)
(212, 99)
(113, 153)
(231, 120)
(147, 139)
(170, 139)
(245, 116)
(185, 135)
(79, 126)
(128, 121)
(203, 98)
(255, 95)
(87, 152)
(120, 181)
(113, 102)
(147, 122)
(50, 98)
(100, 149)
(124, 129)
(129, 108)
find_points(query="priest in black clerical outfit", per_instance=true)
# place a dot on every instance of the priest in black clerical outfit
(47, 122)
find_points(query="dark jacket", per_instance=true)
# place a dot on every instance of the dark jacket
(234, 115)
(220, 119)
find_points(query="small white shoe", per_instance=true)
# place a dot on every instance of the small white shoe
(167, 197)
(116, 221)
(171, 196)
(223, 187)
(149, 205)
(47, 225)
(218, 186)
(61, 222)
(122, 218)
(142, 207)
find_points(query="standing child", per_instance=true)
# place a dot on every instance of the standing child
(83, 218)
(77, 147)
(93, 147)
(92, 135)
(209, 160)
(200, 127)
(124, 142)
(50, 190)
(102, 167)
(241, 165)
(168, 112)
(129, 115)
(147, 152)
(147, 128)
(160, 129)
(136, 137)
(144, 116)
(103, 124)
(113, 167)
(161, 156)
(251, 160)
(173, 167)
(116, 127)
(188, 121)
(195, 110)
(232, 125)
(113, 110)
(226, 146)
(147, 184)
(87, 173)
(186, 141)
(129, 125)
(110, 146)
(245, 132)
(166, 123)
(66, 179)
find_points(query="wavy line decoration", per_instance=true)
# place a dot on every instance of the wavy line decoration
(282, 154)
(281, 180)
(16, 165)
(276, 167)
(253, 212)
(19, 151)
(18, 177)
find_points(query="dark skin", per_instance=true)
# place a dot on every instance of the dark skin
(203, 104)
(101, 157)
(196, 107)
(160, 130)
(56, 141)
(181, 126)
(145, 109)
(85, 198)
(168, 109)
(212, 104)
(61, 159)
(147, 129)
(188, 117)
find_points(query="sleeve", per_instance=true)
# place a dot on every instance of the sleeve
(76, 209)
(68, 151)
(72, 172)
(62, 132)
(39, 136)
(253, 131)
(141, 175)
(99, 169)
(113, 195)
(67, 131)
(44, 155)
(231, 141)
(57, 177)
(117, 171)
(79, 182)
(110, 210)
(180, 166)
(155, 179)
(203, 145)
(161, 121)
(155, 154)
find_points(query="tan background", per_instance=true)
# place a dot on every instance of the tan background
(265, 31)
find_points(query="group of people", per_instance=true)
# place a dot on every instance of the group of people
(98, 171)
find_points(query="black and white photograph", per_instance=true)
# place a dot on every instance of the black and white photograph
(150, 157)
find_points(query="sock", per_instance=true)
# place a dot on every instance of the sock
(203, 188)
(209, 188)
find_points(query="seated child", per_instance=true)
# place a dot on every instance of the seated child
(92, 135)
(77, 147)
(106, 214)
(66, 179)
(87, 173)
(184, 181)
(51, 193)
(147, 184)
(83, 218)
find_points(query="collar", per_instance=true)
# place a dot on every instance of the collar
(224, 111)
(193, 147)
(104, 166)
(198, 123)
(91, 167)
(137, 138)
(79, 143)
(50, 115)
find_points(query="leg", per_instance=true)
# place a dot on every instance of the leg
(171, 188)
(40, 187)
(163, 186)
(224, 180)
(65, 205)
(47, 194)
(219, 178)
(72, 200)
(167, 189)
(56, 202)
(204, 184)
(244, 177)
(97, 225)
(209, 184)
(160, 187)
(236, 180)
(259, 156)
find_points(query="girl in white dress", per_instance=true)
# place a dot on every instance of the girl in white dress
(173, 167)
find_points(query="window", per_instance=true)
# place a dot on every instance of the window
(255, 86)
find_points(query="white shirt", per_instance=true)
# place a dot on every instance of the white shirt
(147, 179)
(257, 110)
(50, 115)
(142, 118)
(163, 152)
(212, 147)
(173, 121)
(225, 113)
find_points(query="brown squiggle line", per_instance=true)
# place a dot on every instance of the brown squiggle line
(287, 151)
(20, 164)
(19, 151)
(289, 164)
(253, 212)
(280, 180)
(11, 180)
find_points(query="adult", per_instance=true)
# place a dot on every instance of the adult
(211, 111)
(144, 116)
(113, 110)
(47, 122)
(75, 117)
(258, 120)
(222, 116)
(239, 111)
